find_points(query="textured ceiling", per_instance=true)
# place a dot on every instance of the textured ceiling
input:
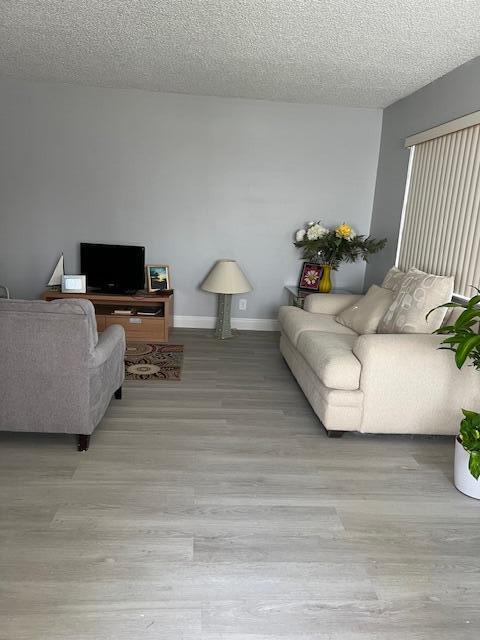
(343, 52)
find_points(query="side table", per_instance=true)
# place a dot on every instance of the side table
(296, 296)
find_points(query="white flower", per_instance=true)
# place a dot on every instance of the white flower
(300, 235)
(316, 231)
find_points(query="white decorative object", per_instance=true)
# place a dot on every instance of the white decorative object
(58, 272)
(464, 481)
(74, 284)
(225, 278)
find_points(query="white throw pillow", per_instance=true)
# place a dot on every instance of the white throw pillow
(366, 313)
(393, 280)
(418, 294)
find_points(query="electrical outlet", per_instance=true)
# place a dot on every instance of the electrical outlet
(242, 304)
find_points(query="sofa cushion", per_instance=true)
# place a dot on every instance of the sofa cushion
(330, 355)
(418, 294)
(295, 321)
(393, 280)
(364, 316)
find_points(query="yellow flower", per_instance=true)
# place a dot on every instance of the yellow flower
(344, 231)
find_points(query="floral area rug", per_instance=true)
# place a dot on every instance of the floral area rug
(153, 361)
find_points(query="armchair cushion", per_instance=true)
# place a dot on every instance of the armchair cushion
(364, 316)
(295, 321)
(331, 357)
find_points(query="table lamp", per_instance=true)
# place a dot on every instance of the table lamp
(225, 278)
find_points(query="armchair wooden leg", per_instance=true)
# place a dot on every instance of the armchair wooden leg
(334, 434)
(118, 393)
(83, 442)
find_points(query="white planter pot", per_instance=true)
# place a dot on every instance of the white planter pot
(464, 481)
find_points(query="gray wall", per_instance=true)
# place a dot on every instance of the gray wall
(449, 97)
(193, 178)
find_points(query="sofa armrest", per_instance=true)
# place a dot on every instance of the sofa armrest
(108, 341)
(411, 386)
(330, 303)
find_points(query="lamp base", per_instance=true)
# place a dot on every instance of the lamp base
(223, 329)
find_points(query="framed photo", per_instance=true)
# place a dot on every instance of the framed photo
(74, 284)
(158, 277)
(310, 276)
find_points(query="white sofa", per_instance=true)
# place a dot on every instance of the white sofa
(376, 383)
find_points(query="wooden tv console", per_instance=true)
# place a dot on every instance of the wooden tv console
(137, 328)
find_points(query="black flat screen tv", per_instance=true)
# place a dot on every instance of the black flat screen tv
(113, 268)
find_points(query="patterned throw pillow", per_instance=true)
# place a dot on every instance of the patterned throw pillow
(364, 316)
(393, 280)
(419, 292)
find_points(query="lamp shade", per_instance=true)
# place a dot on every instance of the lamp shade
(226, 277)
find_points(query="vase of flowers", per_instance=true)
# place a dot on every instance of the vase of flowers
(332, 246)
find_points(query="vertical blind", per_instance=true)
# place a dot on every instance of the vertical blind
(441, 217)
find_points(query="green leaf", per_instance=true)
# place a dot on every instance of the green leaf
(469, 434)
(474, 464)
(467, 316)
(474, 300)
(442, 330)
(453, 340)
(470, 414)
(447, 305)
(465, 349)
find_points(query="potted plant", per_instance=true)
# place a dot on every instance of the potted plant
(331, 247)
(464, 340)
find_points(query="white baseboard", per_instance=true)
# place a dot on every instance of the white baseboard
(256, 324)
(194, 322)
(246, 324)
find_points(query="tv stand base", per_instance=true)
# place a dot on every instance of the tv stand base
(138, 328)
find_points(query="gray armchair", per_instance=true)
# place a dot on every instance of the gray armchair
(57, 374)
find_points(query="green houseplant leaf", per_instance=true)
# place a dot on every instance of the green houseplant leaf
(469, 438)
(465, 347)
(474, 464)
(464, 341)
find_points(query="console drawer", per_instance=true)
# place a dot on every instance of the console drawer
(139, 328)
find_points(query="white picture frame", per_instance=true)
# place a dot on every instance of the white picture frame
(74, 284)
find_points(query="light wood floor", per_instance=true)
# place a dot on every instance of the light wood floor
(216, 509)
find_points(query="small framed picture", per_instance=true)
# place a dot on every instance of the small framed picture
(158, 277)
(310, 276)
(74, 284)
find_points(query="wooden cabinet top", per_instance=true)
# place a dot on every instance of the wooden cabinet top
(111, 297)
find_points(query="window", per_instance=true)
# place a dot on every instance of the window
(440, 230)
